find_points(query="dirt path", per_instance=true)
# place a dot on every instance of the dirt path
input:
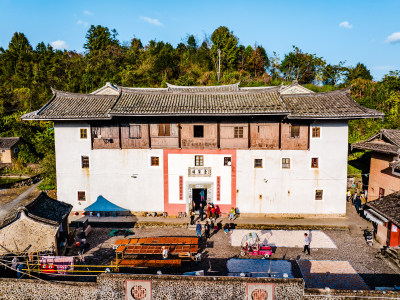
(4, 209)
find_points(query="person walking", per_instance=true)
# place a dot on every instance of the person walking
(354, 198)
(198, 229)
(207, 230)
(306, 244)
(191, 214)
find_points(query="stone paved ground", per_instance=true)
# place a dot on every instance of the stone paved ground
(217, 250)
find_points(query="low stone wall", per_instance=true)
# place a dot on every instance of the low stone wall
(128, 286)
(22, 182)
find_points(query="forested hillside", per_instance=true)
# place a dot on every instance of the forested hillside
(27, 73)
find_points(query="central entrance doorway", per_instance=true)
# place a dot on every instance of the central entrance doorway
(199, 196)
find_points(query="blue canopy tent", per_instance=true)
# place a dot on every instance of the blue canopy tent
(103, 205)
(259, 268)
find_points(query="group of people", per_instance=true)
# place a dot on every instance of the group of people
(212, 212)
(208, 226)
(357, 199)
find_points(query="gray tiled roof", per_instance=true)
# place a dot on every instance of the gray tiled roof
(395, 164)
(388, 206)
(65, 105)
(332, 105)
(8, 142)
(48, 209)
(201, 101)
(385, 141)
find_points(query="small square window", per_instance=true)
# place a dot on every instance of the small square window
(83, 133)
(81, 196)
(227, 161)
(318, 194)
(316, 132)
(85, 161)
(285, 163)
(294, 131)
(155, 161)
(238, 132)
(198, 160)
(258, 163)
(314, 162)
(134, 131)
(198, 131)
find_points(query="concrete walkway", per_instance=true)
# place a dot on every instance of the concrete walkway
(349, 222)
(16, 201)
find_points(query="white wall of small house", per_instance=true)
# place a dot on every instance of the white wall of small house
(282, 191)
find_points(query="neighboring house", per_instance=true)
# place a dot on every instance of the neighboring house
(385, 212)
(40, 226)
(266, 150)
(9, 148)
(384, 175)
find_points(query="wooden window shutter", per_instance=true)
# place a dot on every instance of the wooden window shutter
(161, 130)
(167, 130)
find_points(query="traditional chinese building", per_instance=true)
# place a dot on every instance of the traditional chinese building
(384, 175)
(9, 148)
(265, 150)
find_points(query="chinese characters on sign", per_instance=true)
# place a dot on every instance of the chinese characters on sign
(199, 171)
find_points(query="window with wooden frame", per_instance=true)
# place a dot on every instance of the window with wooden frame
(258, 163)
(227, 161)
(81, 196)
(85, 162)
(316, 132)
(154, 161)
(285, 163)
(198, 131)
(318, 194)
(294, 131)
(134, 131)
(314, 162)
(164, 129)
(198, 160)
(238, 132)
(83, 132)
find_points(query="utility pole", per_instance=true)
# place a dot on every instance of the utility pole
(219, 64)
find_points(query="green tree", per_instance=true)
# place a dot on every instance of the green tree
(99, 37)
(359, 71)
(332, 74)
(223, 39)
(301, 66)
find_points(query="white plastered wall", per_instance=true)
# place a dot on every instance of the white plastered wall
(292, 191)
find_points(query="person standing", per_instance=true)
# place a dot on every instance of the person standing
(358, 204)
(207, 230)
(354, 198)
(198, 229)
(232, 214)
(348, 195)
(201, 211)
(191, 217)
(306, 244)
(164, 252)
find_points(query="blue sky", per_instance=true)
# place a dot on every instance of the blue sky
(355, 31)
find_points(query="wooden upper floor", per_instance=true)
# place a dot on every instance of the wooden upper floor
(271, 135)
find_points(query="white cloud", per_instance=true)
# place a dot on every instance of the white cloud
(59, 44)
(88, 13)
(393, 38)
(346, 24)
(152, 21)
(83, 23)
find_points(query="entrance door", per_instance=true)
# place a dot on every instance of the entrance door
(197, 195)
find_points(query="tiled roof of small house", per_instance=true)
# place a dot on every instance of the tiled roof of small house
(8, 142)
(203, 101)
(388, 206)
(48, 209)
(331, 105)
(385, 141)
